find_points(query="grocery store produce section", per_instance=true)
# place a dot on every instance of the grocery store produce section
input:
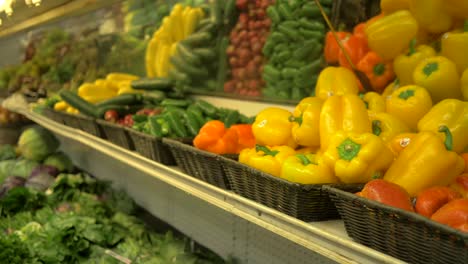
(289, 106)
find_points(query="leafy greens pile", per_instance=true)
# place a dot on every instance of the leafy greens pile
(79, 219)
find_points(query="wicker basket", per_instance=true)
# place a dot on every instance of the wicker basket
(152, 147)
(71, 120)
(54, 115)
(200, 164)
(408, 236)
(89, 125)
(306, 202)
(116, 134)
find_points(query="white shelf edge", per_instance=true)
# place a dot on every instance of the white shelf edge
(309, 235)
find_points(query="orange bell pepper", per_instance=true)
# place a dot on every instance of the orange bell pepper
(356, 47)
(454, 214)
(430, 200)
(387, 193)
(332, 49)
(460, 184)
(465, 158)
(379, 72)
(245, 136)
(216, 138)
(400, 142)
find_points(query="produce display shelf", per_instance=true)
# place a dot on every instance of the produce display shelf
(222, 221)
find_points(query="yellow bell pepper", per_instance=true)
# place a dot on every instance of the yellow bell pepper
(409, 104)
(356, 157)
(390, 6)
(305, 119)
(336, 81)
(404, 64)
(342, 112)
(464, 84)
(439, 76)
(272, 127)
(390, 35)
(390, 88)
(453, 47)
(400, 142)
(431, 15)
(266, 159)
(374, 102)
(387, 126)
(453, 114)
(150, 57)
(307, 169)
(427, 161)
(457, 8)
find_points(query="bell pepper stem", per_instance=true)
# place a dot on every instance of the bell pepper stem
(297, 119)
(412, 47)
(430, 68)
(266, 150)
(348, 149)
(376, 127)
(379, 69)
(448, 137)
(406, 94)
(304, 160)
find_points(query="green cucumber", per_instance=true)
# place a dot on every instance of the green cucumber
(180, 78)
(175, 102)
(207, 108)
(289, 73)
(123, 99)
(215, 13)
(79, 103)
(273, 15)
(310, 10)
(191, 123)
(311, 47)
(198, 39)
(222, 63)
(310, 34)
(229, 12)
(285, 12)
(205, 54)
(154, 96)
(176, 124)
(161, 83)
(311, 25)
(187, 55)
(272, 72)
(192, 71)
(203, 23)
(291, 33)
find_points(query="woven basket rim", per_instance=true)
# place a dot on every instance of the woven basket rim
(107, 123)
(387, 209)
(306, 187)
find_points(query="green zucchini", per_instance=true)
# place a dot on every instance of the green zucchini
(79, 103)
(175, 102)
(163, 84)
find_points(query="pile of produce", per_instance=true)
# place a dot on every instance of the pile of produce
(200, 62)
(142, 18)
(181, 22)
(246, 41)
(48, 215)
(294, 49)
